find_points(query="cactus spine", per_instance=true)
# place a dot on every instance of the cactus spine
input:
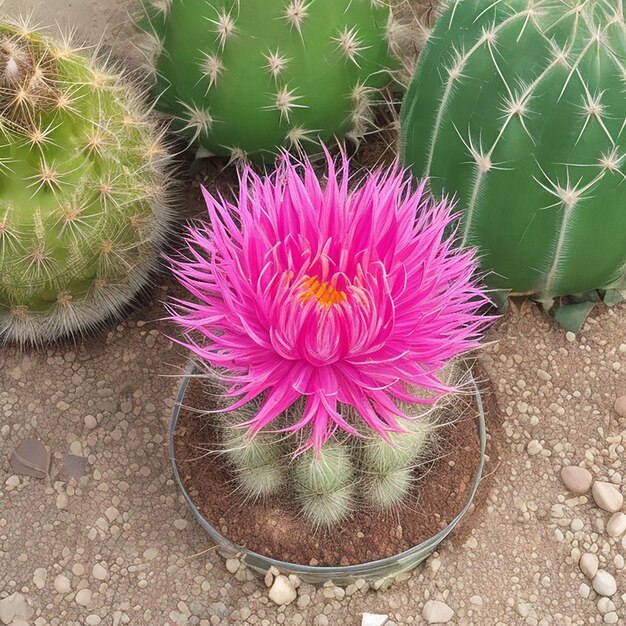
(249, 78)
(517, 107)
(82, 198)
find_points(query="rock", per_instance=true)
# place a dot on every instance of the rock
(232, 565)
(90, 422)
(576, 524)
(584, 590)
(534, 447)
(436, 612)
(611, 618)
(576, 479)
(180, 524)
(476, 600)
(12, 481)
(99, 572)
(620, 406)
(111, 513)
(607, 496)
(92, 620)
(617, 525)
(83, 597)
(13, 608)
(150, 554)
(39, 577)
(374, 619)
(282, 591)
(62, 584)
(605, 605)
(604, 584)
(588, 565)
(62, 501)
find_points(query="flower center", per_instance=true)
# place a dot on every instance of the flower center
(324, 293)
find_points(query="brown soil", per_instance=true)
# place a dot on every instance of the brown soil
(275, 529)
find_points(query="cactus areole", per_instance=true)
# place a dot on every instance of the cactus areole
(517, 107)
(81, 190)
(243, 78)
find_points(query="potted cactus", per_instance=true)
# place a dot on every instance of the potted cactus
(83, 208)
(517, 107)
(326, 324)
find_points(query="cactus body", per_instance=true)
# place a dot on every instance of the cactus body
(517, 107)
(323, 483)
(81, 190)
(246, 78)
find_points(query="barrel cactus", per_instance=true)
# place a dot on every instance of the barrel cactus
(245, 78)
(82, 197)
(332, 314)
(517, 107)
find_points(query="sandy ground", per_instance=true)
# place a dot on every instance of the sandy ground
(119, 547)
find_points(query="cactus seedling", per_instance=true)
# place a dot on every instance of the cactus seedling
(517, 107)
(334, 313)
(247, 78)
(82, 201)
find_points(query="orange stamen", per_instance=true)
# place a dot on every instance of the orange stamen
(324, 293)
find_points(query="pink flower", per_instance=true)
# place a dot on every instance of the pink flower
(341, 296)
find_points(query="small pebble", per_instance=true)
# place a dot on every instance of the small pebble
(576, 479)
(589, 564)
(584, 590)
(616, 526)
(232, 565)
(436, 612)
(83, 597)
(282, 591)
(99, 572)
(90, 423)
(62, 584)
(534, 447)
(607, 496)
(620, 406)
(604, 584)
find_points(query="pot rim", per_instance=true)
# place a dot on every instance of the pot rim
(327, 570)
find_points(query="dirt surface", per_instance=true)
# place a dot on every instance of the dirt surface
(118, 546)
(275, 529)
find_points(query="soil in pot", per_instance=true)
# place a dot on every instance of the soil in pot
(275, 529)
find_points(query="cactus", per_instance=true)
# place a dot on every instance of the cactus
(82, 200)
(323, 483)
(333, 311)
(249, 78)
(517, 106)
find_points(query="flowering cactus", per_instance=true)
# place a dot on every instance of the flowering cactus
(331, 310)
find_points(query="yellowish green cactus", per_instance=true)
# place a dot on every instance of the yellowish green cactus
(82, 190)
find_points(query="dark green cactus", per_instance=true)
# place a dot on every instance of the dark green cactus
(248, 78)
(82, 195)
(517, 107)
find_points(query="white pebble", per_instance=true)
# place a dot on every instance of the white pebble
(90, 423)
(570, 336)
(374, 619)
(232, 565)
(83, 597)
(605, 605)
(92, 620)
(282, 591)
(62, 584)
(607, 496)
(616, 526)
(576, 479)
(436, 612)
(576, 525)
(584, 590)
(611, 618)
(589, 564)
(534, 447)
(99, 572)
(62, 501)
(604, 584)
(180, 524)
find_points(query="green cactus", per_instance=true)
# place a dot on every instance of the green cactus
(517, 106)
(387, 467)
(259, 461)
(82, 197)
(323, 483)
(245, 79)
